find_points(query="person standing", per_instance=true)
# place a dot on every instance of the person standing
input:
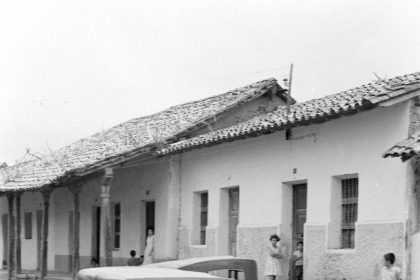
(296, 263)
(390, 271)
(272, 264)
(150, 247)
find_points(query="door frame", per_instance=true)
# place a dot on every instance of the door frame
(230, 243)
(295, 215)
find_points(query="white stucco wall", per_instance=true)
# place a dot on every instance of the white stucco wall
(260, 166)
(131, 187)
(263, 168)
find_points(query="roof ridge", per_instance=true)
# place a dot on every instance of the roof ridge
(128, 139)
(271, 80)
(321, 109)
(376, 82)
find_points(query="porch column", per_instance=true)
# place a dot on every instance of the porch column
(46, 194)
(18, 195)
(106, 215)
(171, 240)
(75, 190)
(11, 238)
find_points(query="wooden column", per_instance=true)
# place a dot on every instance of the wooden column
(11, 238)
(75, 190)
(106, 215)
(171, 240)
(18, 195)
(46, 194)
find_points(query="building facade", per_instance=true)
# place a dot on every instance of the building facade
(313, 172)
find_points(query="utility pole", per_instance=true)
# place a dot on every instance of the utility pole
(289, 92)
(288, 131)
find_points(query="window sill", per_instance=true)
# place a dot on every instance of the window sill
(340, 251)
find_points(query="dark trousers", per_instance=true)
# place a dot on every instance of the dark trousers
(298, 272)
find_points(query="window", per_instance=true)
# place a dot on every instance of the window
(349, 200)
(199, 217)
(204, 198)
(28, 225)
(117, 226)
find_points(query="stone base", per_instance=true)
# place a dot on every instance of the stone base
(63, 263)
(187, 250)
(362, 262)
(253, 244)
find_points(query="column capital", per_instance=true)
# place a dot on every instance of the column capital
(106, 182)
(75, 188)
(46, 192)
(18, 194)
(107, 176)
(10, 196)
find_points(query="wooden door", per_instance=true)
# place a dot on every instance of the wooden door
(299, 212)
(38, 238)
(150, 215)
(96, 232)
(233, 219)
(5, 231)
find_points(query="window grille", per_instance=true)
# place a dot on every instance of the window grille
(204, 197)
(349, 194)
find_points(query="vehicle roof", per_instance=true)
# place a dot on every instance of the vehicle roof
(143, 273)
(187, 262)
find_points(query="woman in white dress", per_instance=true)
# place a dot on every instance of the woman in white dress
(272, 264)
(150, 247)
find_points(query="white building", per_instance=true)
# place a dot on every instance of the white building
(222, 181)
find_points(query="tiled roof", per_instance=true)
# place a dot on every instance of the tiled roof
(127, 140)
(405, 149)
(316, 110)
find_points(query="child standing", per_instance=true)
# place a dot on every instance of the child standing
(272, 265)
(390, 271)
(133, 261)
(296, 263)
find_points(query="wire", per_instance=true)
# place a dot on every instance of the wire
(212, 81)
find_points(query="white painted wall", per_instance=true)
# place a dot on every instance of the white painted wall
(131, 187)
(260, 166)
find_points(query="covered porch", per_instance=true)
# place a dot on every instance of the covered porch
(111, 217)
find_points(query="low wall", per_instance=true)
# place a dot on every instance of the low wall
(363, 262)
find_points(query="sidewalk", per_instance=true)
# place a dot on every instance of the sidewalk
(52, 275)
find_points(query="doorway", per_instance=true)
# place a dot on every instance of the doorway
(299, 213)
(233, 219)
(5, 231)
(96, 232)
(150, 215)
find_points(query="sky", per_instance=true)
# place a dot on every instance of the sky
(69, 69)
